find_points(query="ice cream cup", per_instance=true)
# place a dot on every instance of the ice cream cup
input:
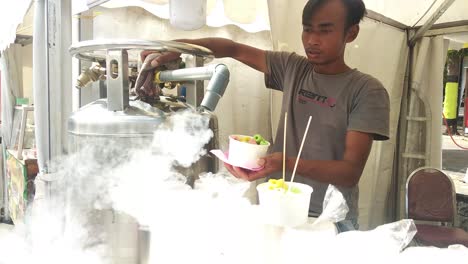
(244, 154)
(281, 208)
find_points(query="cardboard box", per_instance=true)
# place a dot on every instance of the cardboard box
(20, 180)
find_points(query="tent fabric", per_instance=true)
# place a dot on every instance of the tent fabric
(371, 53)
(11, 15)
(425, 102)
(11, 89)
(410, 12)
(250, 15)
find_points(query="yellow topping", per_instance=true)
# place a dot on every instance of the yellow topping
(279, 184)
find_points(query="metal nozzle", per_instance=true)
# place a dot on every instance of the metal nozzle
(94, 73)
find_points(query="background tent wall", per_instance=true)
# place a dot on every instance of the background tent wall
(422, 140)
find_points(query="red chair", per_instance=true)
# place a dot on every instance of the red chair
(430, 197)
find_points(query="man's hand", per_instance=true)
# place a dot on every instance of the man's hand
(152, 61)
(272, 163)
(162, 59)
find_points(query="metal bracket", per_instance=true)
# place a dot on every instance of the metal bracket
(117, 80)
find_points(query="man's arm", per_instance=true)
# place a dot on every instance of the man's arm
(346, 172)
(222, 48)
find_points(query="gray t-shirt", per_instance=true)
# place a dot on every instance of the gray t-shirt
(337, 103)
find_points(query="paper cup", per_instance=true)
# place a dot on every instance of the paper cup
(244, 154)
(284, 208)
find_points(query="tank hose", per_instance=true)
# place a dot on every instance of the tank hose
(450, 134)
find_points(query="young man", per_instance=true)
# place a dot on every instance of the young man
(349, 108)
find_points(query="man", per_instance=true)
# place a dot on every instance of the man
(349, 108)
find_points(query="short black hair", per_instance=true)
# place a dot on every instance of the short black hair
(356, 9)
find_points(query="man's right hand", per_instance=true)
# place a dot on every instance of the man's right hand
(162, 59)
(144, 86)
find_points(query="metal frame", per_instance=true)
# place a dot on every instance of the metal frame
(430, 22)
(93, 3)
(386, 20)
(24, 115)
(84, 50)
(454, 205)
(41, 83)
(51, 73)
(427, 119)
(445, 31)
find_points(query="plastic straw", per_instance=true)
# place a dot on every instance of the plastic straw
(284, 145)
(300, 150)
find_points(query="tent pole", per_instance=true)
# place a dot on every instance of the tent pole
(93, 3)
(388, 21)
(444, 31)
(40, 84)
(400, 164)
(430, 22)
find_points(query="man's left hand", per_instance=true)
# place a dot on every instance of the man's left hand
(272, 163)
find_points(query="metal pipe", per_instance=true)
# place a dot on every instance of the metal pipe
(216, 87)
(40, 84)
(437, 14)
(217, 74)
(187, 74)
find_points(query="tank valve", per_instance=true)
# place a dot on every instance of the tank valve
(94, 73)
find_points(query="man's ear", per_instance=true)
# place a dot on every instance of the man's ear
(352, 33)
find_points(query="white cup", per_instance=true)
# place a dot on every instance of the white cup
(187, 15)
(282, 208)
(244, 154)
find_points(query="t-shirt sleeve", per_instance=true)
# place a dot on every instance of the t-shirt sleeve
(277, 63)
(370, 111)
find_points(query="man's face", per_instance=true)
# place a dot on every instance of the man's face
(324, 37)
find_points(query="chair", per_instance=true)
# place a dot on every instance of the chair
(430, 197)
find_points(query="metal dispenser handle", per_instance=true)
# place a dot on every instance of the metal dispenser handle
(218, 74)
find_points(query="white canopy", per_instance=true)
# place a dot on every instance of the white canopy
(250, 15)
(11, 15)
(410, 12)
